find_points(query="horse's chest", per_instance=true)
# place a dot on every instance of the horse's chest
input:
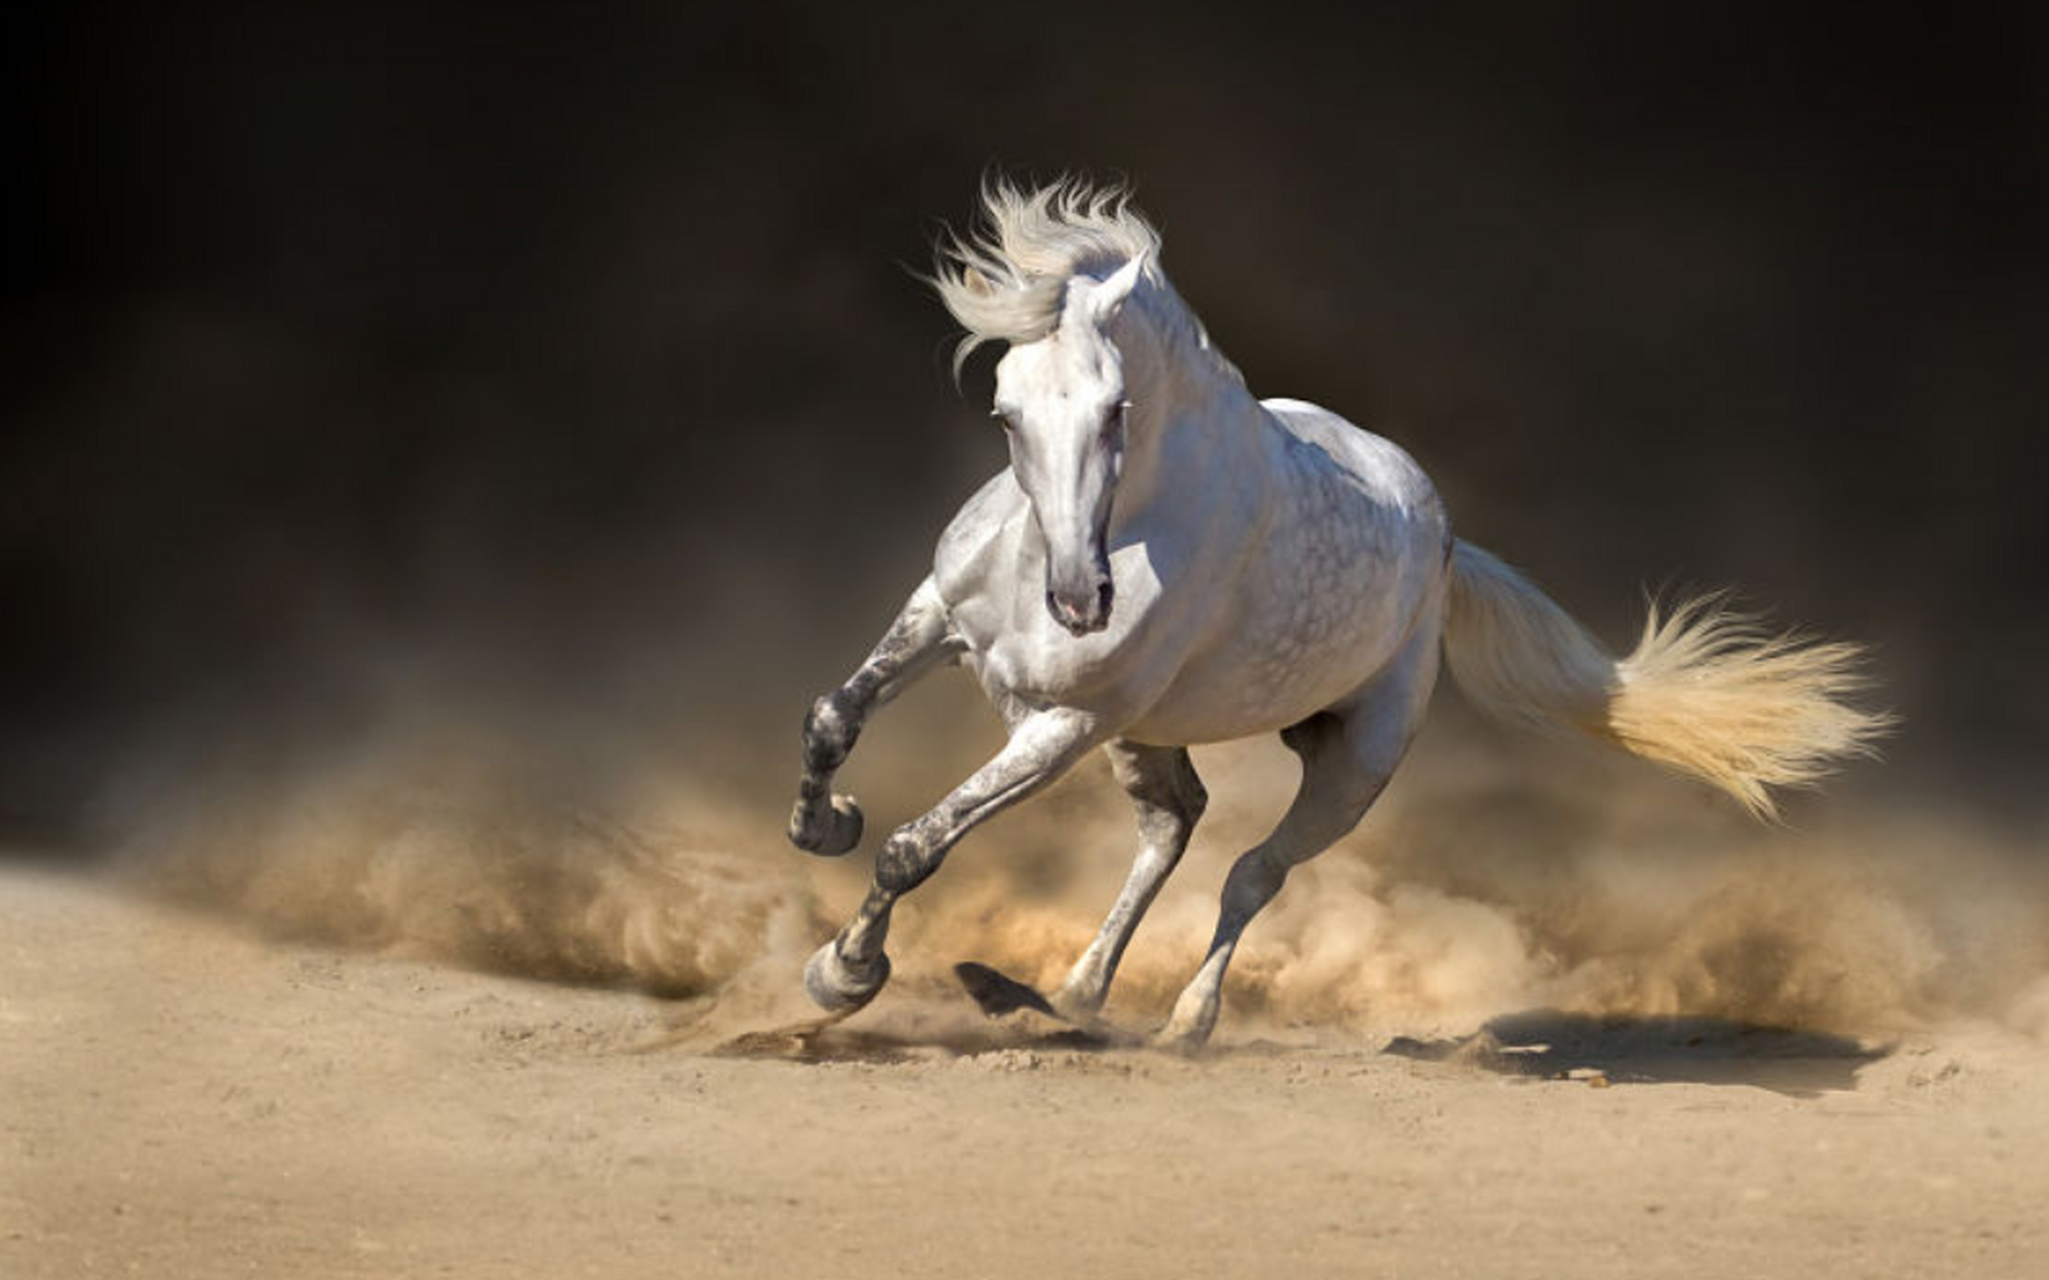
(1018, 650)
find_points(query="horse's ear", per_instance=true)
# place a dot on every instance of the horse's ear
(1108, 296)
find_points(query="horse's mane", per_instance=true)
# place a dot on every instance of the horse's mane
(1005, 279)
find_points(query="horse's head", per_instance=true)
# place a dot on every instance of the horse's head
(1061, 399)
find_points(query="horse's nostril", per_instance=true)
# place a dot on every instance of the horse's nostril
(1075, 614)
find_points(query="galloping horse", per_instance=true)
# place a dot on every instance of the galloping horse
(1168, 561)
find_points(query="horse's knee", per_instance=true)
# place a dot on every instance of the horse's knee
(1168, 821)
(905, 862)
(829, 732)
(1170, 801)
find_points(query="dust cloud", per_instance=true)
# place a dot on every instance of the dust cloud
(1500, 874)
(439, 846)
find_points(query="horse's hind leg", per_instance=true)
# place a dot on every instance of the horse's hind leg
(846, 972)
(917, 641)
(1347, 757)
(1170, 799)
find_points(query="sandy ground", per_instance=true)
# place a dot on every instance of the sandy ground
(182, 1099)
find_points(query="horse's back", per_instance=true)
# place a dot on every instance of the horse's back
(1380, 467)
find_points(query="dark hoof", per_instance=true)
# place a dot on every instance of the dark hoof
(999, 995)
(838, 987)
(831, 833)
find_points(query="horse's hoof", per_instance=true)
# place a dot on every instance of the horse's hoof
(999, 994)
(838, 987)
(830, 834)
(1081, 1010)
(1188, 1044)
(1185, 1034)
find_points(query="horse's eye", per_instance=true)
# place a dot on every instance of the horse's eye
(1003, 419)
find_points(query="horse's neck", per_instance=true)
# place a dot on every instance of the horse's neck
(1203, 429)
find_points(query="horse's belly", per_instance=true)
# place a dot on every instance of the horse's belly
(1267, 679)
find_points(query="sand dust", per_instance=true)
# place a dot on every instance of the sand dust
(1500, 873)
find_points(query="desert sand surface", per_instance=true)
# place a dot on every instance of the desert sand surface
(185, 1098)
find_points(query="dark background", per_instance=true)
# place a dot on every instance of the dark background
(565, 358)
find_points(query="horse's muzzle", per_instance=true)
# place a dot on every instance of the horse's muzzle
(1082, 613)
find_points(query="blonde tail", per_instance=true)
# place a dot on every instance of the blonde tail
(1705, 692)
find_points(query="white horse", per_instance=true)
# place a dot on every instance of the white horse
(1168, 561)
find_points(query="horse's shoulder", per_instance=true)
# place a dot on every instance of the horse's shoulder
(974, 535)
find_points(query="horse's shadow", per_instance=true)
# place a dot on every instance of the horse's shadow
(1537, 1044)
(827, 1040)
(1549, 1044)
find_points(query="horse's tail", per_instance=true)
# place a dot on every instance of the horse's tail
(1705, 692)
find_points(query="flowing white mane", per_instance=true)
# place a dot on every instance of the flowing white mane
(1004, 280)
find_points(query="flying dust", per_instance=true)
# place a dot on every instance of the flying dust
(1501, 873)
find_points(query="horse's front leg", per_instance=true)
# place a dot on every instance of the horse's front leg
(846, 973)
(920, 639)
